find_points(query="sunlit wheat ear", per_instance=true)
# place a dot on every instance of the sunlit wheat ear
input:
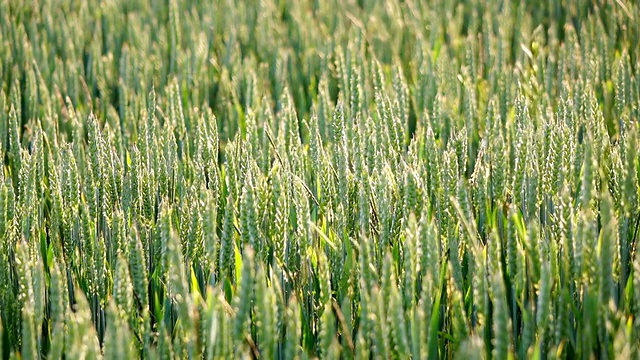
(27, 298)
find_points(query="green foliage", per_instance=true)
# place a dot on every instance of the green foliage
(335, 179)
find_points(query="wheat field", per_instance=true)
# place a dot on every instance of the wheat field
(300, 179)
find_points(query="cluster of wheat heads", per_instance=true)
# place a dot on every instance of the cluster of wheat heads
(319, 179)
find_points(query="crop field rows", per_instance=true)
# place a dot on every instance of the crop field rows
(299, 179)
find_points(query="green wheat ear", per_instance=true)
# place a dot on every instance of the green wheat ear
(243, 302)
(266, 318)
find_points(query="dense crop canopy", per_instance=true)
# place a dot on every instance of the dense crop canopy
(290, 179)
